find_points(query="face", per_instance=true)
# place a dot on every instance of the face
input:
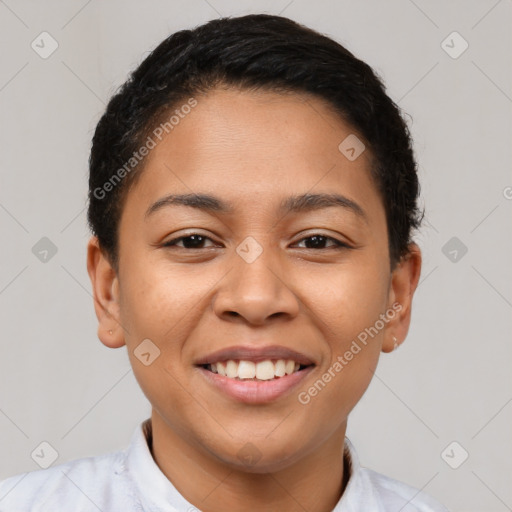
(259, 274)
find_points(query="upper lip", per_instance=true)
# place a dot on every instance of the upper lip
(255, 354)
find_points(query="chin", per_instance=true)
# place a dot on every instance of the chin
(261, 456)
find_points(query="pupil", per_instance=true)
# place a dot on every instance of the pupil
(315, 241)
(196, 240)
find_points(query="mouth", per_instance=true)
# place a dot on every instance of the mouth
(255, 375)
(250, 370)
(247, 370)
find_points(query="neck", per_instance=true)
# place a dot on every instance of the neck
(314, 482)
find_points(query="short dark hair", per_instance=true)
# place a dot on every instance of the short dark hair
(252, 52)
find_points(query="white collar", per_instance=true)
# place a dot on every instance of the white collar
(154, 491)
(152, 488)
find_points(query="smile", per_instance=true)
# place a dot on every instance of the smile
(255, 374)
(250, 370)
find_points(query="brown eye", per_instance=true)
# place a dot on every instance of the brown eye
(318, 241)
(192, 241)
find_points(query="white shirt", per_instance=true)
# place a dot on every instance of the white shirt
(131, 481)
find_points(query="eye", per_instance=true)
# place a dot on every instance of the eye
(317, 241)
(192, 241)
(197, 241)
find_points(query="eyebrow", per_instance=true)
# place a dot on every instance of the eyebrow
(297, 204)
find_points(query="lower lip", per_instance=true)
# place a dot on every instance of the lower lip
(256, 392)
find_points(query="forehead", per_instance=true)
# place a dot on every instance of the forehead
(254, 149)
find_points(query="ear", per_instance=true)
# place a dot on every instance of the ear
(404, 280)
(105, 286)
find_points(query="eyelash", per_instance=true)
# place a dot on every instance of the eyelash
(338, 244)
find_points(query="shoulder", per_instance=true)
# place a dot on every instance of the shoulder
(369, 490)
(393, 493)
(83, 484)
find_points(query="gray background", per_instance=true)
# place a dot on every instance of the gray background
(450, 381)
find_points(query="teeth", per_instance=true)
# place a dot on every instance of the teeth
(264, 370)
(280, 368)
(231, 369)
(246, 370)
(221, 369)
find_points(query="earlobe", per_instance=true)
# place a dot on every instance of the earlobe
(105, 287)
(404, 281)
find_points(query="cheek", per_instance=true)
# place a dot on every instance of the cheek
(153, 302)
(157, 313)
(348, 309)
(349, 299)
(163, 306)
(347, 382)
(348, 321)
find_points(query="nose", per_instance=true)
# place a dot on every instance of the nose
(255, 292)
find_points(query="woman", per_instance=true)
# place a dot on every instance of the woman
(253, 194)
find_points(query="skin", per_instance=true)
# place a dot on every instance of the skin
(252, 149)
